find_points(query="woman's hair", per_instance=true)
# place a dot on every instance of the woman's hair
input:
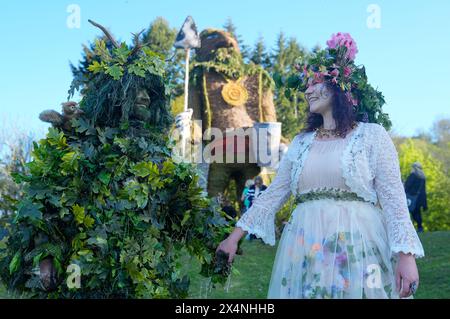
(342, 110)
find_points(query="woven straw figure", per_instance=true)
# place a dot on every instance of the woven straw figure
(226, 93)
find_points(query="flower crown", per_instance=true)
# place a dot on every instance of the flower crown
(335, 64)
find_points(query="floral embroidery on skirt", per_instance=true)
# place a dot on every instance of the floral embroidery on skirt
(334, 249)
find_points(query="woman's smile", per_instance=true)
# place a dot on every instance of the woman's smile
(312, 99)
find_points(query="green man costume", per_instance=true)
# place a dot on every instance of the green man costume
(106, 212)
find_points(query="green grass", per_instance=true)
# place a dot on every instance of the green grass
(252, 281)
(255, 265)
(434, 268)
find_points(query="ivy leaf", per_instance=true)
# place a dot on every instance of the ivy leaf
(88, 150)
(78, 213)
(82, 125)
(69, 162)
(123, 143)
(110, 132)
(104, 177)
(15, 263)
(29, 209)
(69, 157)
(56, 138)
(138, 192)
(186, 217)
(144, 169)
(88, 221)
(168, 167)
(142, 200)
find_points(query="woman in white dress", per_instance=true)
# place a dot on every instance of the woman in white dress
(350, 234)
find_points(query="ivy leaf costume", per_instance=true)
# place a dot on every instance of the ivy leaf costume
(106, 198)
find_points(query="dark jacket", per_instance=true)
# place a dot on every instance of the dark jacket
(415, 184)
(230, 211)
(251, 193)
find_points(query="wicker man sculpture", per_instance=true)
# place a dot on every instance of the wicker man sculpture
(226, 93)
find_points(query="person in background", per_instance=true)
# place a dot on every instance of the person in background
(415, 190)
(254, 192)
(244, 198)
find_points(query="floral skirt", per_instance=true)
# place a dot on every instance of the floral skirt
(334, 249)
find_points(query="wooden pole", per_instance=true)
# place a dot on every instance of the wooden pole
(186, 79)
(186, 96)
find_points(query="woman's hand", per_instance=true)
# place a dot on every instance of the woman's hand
(405, 274)
(230, 244)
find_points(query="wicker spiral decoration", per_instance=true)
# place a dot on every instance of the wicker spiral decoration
(234, 93)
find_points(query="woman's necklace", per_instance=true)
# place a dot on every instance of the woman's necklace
(322, 132)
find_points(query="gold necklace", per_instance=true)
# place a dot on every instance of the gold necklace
(322, 132)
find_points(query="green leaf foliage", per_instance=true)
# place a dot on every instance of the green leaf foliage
(107, 196)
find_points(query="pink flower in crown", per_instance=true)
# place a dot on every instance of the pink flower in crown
(318, 77)
(334, 73)
(347, 71)
(343, 39)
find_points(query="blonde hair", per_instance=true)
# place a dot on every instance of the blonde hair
(249, 183)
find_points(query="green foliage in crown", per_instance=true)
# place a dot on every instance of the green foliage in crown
(118, 77)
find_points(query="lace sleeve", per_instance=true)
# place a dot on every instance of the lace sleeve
(260, 217)
(391, 195)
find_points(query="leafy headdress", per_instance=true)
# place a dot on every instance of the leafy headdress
(118, 75)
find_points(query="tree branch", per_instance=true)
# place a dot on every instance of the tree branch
(106, 32)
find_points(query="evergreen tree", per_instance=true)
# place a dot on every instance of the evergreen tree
(160, 38)
(279, 55)
(291, 108)
(230, 27)
(259, 53)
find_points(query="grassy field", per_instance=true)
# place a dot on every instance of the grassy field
(255, 265)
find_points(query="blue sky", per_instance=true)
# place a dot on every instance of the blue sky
(407, 58)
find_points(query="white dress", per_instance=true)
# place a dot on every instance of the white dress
(332, 247)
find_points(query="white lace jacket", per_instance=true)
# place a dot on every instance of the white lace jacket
(370, 168)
